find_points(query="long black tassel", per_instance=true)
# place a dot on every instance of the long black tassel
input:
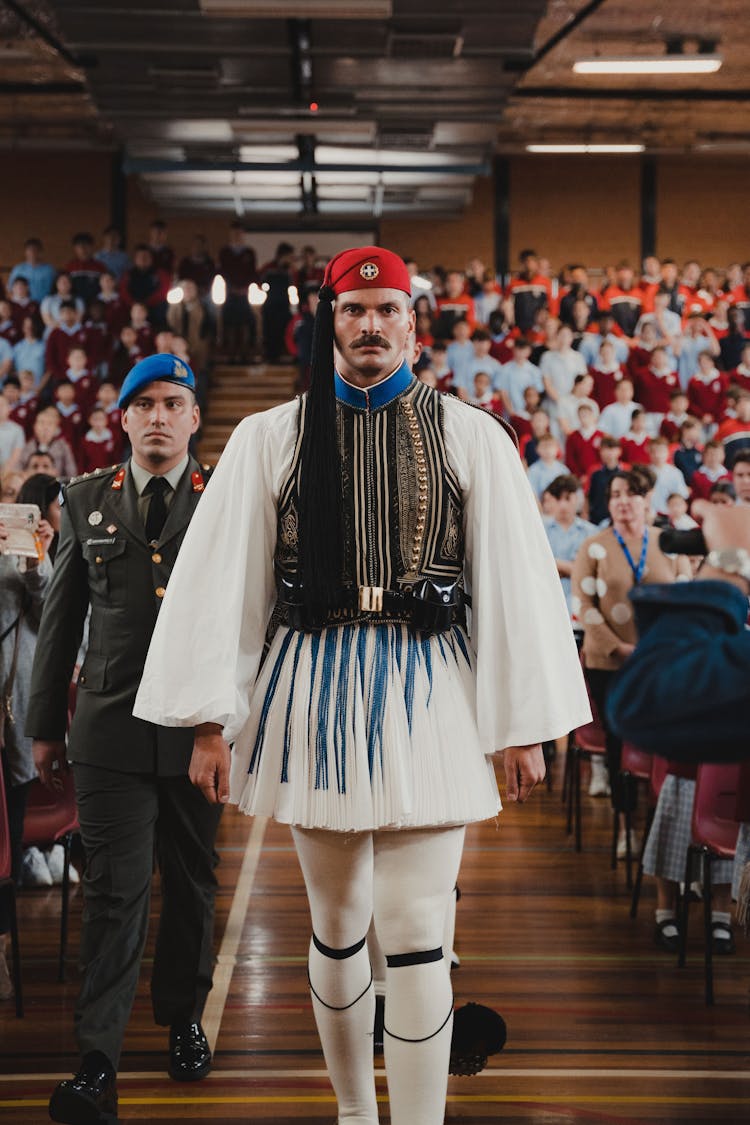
(320, 524)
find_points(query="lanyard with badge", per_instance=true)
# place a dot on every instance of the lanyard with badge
(638, 570)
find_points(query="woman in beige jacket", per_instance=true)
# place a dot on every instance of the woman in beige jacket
(607, 567)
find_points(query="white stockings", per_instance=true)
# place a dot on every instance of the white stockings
(405, 880)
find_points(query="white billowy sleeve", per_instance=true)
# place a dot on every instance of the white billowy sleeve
(529, 682)
(207, 645)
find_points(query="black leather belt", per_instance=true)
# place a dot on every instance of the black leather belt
(428, 606)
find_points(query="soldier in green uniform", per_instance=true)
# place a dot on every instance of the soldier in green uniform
(121, 532)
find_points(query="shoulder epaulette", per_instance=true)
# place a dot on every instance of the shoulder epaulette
(97, 474)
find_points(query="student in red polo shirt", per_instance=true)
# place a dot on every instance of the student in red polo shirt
(99, 444)
(740, 375)
(635, 444)
(675, 416)
(607, 373)
(707, 390)
(710, 472)
(582, 445)
(72, 419)
(654, 385)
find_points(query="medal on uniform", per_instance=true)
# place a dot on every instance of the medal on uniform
(95, 518)
(111, 529)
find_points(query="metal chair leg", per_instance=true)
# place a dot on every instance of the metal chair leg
(709, 950)
(65, 906)
(685, 906)
(639, 873)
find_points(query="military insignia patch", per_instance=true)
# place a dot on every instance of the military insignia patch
(95, 518)
(197, 479)
(369, 271)
(119, 477)
(179, 370)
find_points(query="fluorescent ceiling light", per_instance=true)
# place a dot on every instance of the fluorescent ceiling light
(661, 64)
(587, 149)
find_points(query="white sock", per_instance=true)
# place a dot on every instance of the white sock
(417, 1041)
(344, 1005)
(722, 918)
(667, 916)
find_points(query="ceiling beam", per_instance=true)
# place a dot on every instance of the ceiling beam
(562, 33)
(142, 166)
(46, 36)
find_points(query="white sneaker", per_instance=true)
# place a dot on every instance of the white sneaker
(622, 845)
(599, 784)
(55, 858)
(34, 869)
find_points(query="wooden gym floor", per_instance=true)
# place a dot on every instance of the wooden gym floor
(602, 1027)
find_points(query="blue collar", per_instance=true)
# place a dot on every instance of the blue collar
(374, 397)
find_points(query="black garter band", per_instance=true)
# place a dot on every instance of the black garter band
(338, 955)
(424, 1039)
(426, 957)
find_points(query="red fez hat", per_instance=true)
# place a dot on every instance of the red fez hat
(366, 267)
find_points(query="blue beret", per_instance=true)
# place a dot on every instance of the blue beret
(164, 368)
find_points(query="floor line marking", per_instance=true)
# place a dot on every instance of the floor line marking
(490, 1072)
(455, 1099)
(225, 962)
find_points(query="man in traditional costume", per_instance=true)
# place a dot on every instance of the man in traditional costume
(389, 538)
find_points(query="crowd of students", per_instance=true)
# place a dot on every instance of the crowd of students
(630, 399)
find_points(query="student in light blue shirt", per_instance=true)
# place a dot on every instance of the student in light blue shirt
(518, 374)
(459, 355)
(566, 530)
(29, 352)
(547, 467)
(39, 274)
(590, 342)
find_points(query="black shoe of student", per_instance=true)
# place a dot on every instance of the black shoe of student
(379, 1024)
(670, 943)
(477, 1032)
(722, 938)
(189, 1053)
(90, 1097)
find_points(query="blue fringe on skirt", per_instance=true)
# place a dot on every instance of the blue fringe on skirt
(363, 726)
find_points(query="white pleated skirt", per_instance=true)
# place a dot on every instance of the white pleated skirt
(363, 727)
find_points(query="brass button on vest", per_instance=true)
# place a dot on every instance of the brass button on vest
(160, 591)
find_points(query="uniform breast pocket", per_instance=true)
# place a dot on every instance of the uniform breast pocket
(108, 568)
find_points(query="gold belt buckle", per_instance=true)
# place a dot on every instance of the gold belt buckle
(371, 599)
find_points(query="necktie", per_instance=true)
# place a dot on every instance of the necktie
(157, 508)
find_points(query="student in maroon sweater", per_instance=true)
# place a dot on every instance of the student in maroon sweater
(99, 445)
(707, 391)
(582, 445)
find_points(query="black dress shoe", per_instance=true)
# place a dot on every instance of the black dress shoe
(189, 1053)
(90, 1097)
(478, 1031)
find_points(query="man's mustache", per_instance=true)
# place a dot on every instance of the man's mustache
(371, 342)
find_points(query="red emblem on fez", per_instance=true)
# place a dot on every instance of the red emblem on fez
(118, 479)
(197, 480)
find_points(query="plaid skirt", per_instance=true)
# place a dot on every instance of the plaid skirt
(668, 841)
